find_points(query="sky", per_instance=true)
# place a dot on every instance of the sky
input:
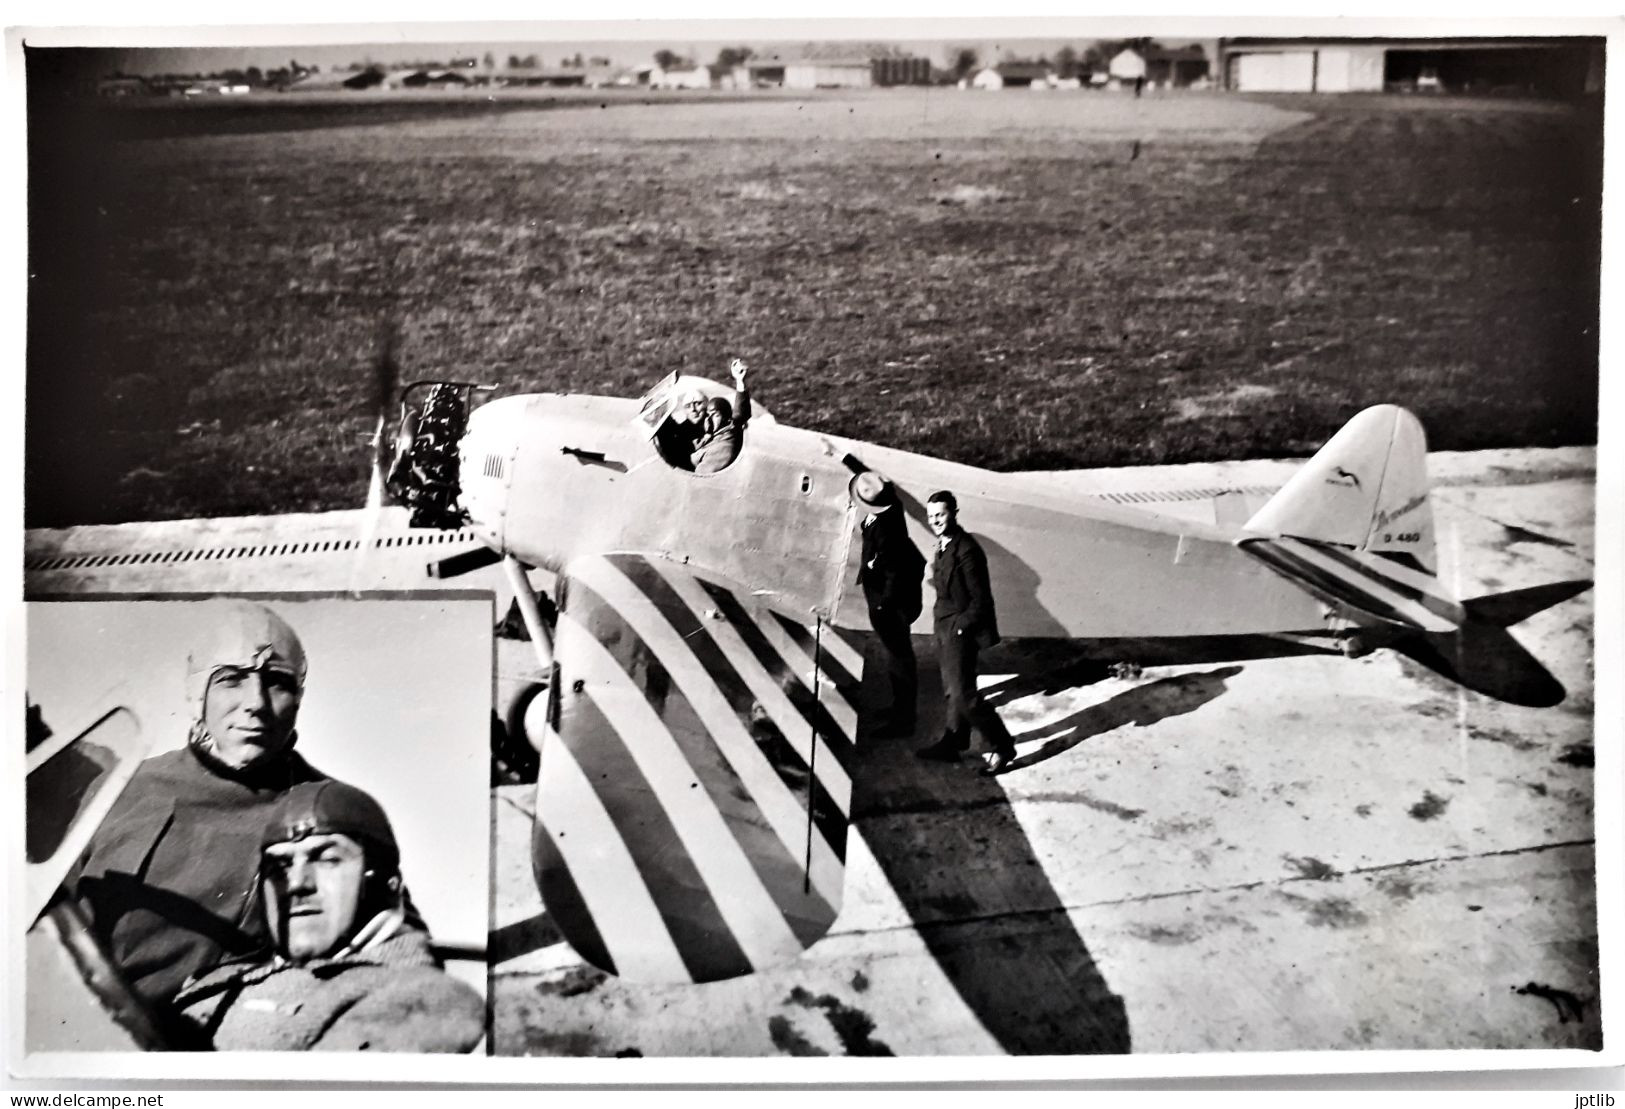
(397, 702)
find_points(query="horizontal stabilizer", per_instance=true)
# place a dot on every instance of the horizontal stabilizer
(1379, 587)
(1486, 659)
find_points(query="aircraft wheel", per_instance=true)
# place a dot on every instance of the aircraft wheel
(514, 746)
(1357, 645)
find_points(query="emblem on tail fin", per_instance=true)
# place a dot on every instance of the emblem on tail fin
(1341, 476)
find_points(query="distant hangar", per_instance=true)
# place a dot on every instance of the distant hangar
(1515, 66)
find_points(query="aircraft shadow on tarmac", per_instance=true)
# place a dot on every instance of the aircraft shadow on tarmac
(970, 880)
(964, 870)
(957, 858)
(968, 877)
(1482, 654)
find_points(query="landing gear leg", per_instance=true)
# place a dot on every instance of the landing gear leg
(541, 639)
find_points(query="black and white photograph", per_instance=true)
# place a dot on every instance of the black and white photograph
(980, 539)
(257, 824)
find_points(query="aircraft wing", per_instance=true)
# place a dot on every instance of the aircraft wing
(313, 551)
(1223, 493)
(695, 787)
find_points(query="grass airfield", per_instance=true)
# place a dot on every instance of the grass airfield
(1016, 280)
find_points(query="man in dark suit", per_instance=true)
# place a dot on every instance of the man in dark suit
(964, 624)
(890, 575)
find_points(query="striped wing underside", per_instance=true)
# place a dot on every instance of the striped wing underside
(695, 786)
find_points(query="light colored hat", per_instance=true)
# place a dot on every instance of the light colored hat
(873, 492)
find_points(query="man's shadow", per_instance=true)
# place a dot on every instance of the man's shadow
(1139, 706)
(963, 868)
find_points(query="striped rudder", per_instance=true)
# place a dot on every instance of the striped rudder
(694, 789)
(1378, 587)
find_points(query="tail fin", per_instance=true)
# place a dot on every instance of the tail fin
(1366, 489)
(1355, 526)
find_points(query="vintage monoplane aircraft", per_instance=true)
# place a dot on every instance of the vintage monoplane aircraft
(696, 749)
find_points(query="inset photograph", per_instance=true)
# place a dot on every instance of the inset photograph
(258, 824)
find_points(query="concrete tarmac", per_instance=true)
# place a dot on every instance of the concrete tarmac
(1266, 854)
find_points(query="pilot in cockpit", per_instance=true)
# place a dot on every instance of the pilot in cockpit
(707, 432)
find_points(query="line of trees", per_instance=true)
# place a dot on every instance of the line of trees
(962, 61)
(1068, 60)
(249, 75)
(727, 58)
(488, 63)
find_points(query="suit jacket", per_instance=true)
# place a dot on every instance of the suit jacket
(964, 593)
(893, 567)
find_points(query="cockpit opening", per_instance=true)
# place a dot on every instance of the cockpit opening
(694, 424)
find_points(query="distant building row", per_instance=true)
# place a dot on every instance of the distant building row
(1178, 68)
(810, 73)
(1530, 66)
(1539, 66)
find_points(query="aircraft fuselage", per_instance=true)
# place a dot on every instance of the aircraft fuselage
(548, 477)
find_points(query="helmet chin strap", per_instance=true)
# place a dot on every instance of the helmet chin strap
(380, 928)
